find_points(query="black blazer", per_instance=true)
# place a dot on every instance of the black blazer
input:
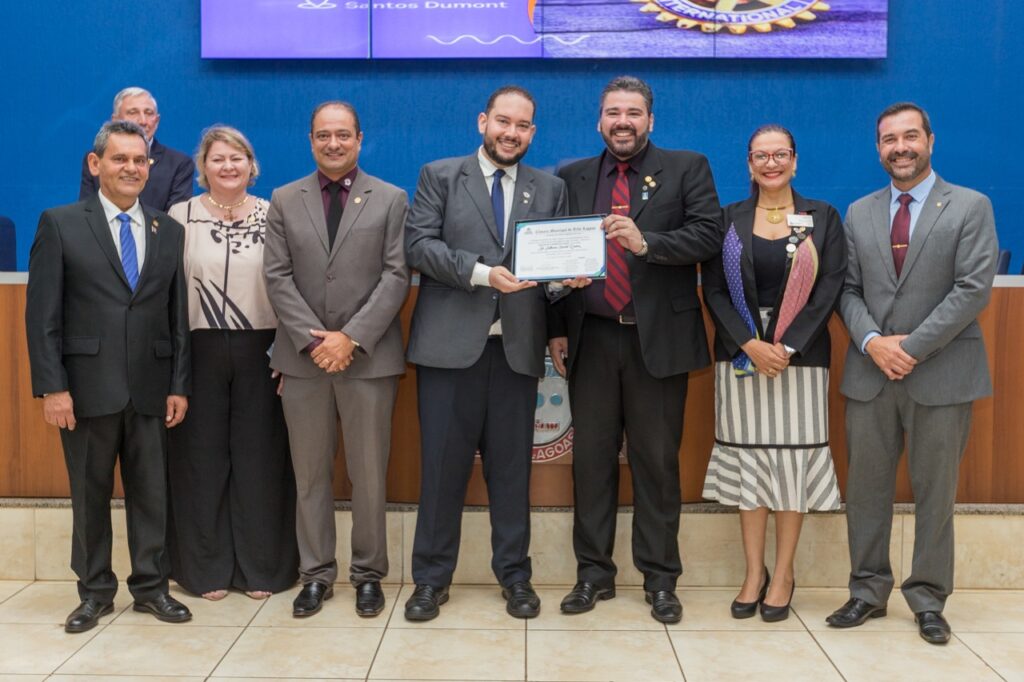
(680, 220)
(808, 333)
(88, 333)
(170, 178)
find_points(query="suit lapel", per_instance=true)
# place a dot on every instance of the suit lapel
(584, 185)
(473, 182)
(522, 199)
(156, 153)
(150, 233)
(314, 203)
(935, 203)
(97, 221)
(358, 197)
(882, 226)
(648, 184)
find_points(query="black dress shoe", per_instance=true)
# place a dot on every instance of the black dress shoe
(854, 613)
(747, 609)
(773, 614)
(583, 596)
(369, 599)
(665, 607)
(520, 600)
(425, 602)
(165, 608)
(311, 599)
(933, 627)
(86, 616)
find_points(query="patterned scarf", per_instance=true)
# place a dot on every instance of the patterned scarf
(732, 257)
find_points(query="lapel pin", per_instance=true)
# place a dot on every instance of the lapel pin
(357, 199)
(939, 204)
(155, 224)
(526, 195)
(644, 195)
(151, 161)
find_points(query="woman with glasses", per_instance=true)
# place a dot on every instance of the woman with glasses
(232, 488)
(771, 293)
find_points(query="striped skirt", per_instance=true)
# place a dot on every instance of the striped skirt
(771, 441)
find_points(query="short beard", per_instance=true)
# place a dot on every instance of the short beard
(640, 143)
(917, 169)
(491, 147)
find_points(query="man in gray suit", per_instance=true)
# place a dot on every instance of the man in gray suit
(478, 336)
(337, 278)
(922, 260)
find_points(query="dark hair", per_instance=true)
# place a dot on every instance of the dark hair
(768, 128)
(510, 90)
(335, 103)
(628, 84)
(899, 108)
(116, 127)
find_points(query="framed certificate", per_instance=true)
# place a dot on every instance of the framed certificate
(559, 248)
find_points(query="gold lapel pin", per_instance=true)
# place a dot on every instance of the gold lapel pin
(357, 199)
(938, 204)
(151, 161)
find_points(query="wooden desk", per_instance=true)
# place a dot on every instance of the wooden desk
(32, 464)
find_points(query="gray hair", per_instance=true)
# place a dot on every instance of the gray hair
(628, 84)
(133, 91)
(116, 127)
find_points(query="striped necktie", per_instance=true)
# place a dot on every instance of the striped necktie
(129, 258)
(617, 289)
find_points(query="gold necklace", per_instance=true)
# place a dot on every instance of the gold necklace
(774, 215)
(229, 209)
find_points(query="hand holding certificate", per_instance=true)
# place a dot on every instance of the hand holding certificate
(559, 249)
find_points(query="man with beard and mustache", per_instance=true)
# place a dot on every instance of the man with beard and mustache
(628, 342)
(922, 260)
(477, 339)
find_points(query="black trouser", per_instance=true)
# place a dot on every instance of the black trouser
(91, 451)
(232, 488)
(490, 407)
(610, 390)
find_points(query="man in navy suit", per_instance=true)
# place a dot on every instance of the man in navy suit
(170, 171)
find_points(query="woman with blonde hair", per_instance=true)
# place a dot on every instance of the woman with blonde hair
(232, 487)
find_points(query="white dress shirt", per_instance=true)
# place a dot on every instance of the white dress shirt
(138, 226)
(481, 273)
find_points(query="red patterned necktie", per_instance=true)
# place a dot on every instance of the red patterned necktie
(900, 235)
(617, 289)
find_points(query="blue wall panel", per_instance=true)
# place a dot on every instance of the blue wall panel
(62, 62)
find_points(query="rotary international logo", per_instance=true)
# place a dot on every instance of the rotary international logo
(736, 16)
(552, 424)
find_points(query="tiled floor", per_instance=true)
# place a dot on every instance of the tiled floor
(473, 639)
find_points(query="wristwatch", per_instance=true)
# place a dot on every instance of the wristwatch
(643, 247)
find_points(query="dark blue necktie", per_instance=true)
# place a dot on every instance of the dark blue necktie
(129, 259)
(498, 204)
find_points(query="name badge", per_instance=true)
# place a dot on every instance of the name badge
(794, 220)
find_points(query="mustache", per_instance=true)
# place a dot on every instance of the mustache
(902, 155)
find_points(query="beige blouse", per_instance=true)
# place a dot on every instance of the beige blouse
(224, 268)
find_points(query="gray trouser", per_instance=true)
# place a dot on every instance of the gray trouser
(312, 408)
(935, 441)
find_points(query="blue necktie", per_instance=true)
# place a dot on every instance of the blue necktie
(129, 260)
(498, 204)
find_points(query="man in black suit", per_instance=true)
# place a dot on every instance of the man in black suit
(170, 171)
(107, 321)
(627, 343)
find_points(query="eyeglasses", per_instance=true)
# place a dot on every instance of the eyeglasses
(781, 156)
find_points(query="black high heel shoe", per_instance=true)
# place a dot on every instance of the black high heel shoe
(773, 614)
(743, 609)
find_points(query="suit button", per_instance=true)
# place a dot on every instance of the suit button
(330, 278)
(898, 294)
(494, 297)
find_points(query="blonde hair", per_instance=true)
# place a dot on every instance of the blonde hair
(228, 135)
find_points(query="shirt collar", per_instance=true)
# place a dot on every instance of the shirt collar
(609, 161)
(346, 180)
(487, 167)
(919, 192)
(111, 211)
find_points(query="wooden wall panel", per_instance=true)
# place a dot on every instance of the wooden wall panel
(31, 462)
